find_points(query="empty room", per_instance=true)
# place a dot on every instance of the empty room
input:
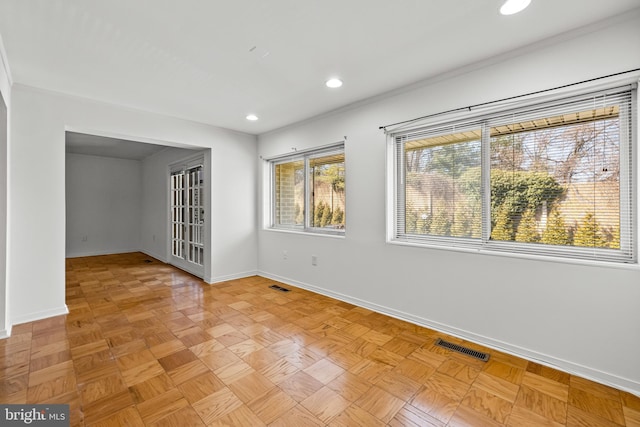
(299, 213)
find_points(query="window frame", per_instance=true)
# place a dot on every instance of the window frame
(305, 156)
(484, 117)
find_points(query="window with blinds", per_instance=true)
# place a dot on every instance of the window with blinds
(308, 191)
(555, 178)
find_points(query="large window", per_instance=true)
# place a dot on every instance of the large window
(555, 178)
(308, 191)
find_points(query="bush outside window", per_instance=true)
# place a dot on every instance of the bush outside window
(308, 191)
(551, 179)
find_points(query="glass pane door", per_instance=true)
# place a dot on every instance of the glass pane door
(187, 219)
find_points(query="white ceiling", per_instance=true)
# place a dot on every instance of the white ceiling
(216, 61)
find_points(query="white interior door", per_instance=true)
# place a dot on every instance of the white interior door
(187, 217)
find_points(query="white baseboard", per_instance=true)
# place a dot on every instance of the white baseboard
(98, 253)
(5, 333)
(218, 279)
(543, 359)
(39, 315)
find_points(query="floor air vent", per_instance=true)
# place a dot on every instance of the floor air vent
(148, 261)
(464, 350)
(279, 288)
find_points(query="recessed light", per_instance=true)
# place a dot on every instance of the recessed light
(252, 117)
(333, 83)
(514, 6)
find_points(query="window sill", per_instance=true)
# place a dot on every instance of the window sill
(336, 235)
(544, 258)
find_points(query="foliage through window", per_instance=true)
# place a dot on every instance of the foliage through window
(308, 191)
(553, 179)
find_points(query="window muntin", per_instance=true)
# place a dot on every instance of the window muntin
(552, 179)
(308, 191)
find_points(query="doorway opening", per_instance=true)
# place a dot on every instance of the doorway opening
(119, 198)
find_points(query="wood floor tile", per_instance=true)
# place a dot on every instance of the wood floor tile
(216, 405)
(410, 416)
(466, 416)
(251, 386)
(126, 417)
(630, 400)
(188, 371)
(436, 405)
(490, 406)
(504, 371)
(147, 344)
(542, 404)
(241, 416)
(397, 384)
(576, 417)
(325, 404)
(272, 405)
(596, 404)
(549, 373)
(496, 386)
(43, 392)
(142, 372)
(324, 371)
(545, 385)
(381, 404)
(298, 416)
(166, 348)
(631, 416)
(186, 416)
(300, 385)
(151, 388)
(200, 386)
(105, 407)
(520, 416)
(279, 371)
(102, 387)
(161, 406)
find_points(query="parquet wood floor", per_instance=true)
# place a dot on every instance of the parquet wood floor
(146, 344)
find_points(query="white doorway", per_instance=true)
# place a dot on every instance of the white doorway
(187, 215)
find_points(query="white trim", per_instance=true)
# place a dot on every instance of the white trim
(5, 333)
(519, 255)
(105, 252)
(39, 315)
(524, 353)
(219, 279)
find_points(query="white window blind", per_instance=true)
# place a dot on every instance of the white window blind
(555, 178)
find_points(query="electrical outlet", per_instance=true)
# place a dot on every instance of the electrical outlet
(85, 238)
(154, 237)
(285, 254)
(314, 260)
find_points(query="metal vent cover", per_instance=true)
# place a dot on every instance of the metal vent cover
(279, 288)
(464, 350)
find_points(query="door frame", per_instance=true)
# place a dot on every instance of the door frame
(204, 157)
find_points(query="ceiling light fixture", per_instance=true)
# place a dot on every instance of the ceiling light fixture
(333, 83)
(514, 6)
(252, 117)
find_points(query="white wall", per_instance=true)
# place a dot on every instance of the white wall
(36, 228)
(103, 205)
(5, 95)
(563, 314)
(155, 201)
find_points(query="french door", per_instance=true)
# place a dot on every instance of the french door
(187, 217)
